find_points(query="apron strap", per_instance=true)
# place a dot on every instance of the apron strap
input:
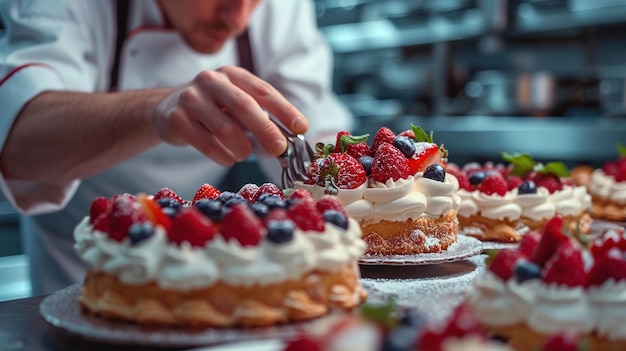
(245, 52)
(121, 10)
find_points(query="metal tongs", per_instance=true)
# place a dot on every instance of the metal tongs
(296, 159)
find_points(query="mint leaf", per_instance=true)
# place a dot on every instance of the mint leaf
(421, 135)
(522, 163)
(380, 313)
(621, 148)
(557, 168)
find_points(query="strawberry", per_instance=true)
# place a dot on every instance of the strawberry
(610, 238)
(493, 184)
(99, 206)
(248, 191)
(300, 194)
(408, 133)
(206, 191)
(268, 188)
(102, 223)
(329, 203)
(513, 182)
(425, 154)
(314, 172)
(337, 148)
(550, 182)
(192, 226)
(125, 212)
(550, 240)
(610, 168)
(302, 343)
(621, 172)
(529, 242)
(611, 265)
(276, 214)
(389, 163)
(463, 322)
(383, 136)
(565, 341)
(306, 216)
(165, 192)
(242, 224)
(565, 267)
(358, 150)
(503, 263)
(346, 171)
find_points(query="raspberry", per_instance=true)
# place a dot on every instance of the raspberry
(550, 182)
(192, 226)
(383, 135)
(529, 242)
(248, 191)
(102, 223)
(621, 172)
(242, 224)
(165, 192)
(464, 182)
(565, 267)
(268, 188)
(513, 182)
(206, 191)
(610, 265)
(550, 240)
(358, 150)
(610, 168)
(125, 212)
(304, 213)
(493, 184)
(276, 214)
(99, 206)
(389, 163)
(408, 133)
(610, 238)
(329, 203)
(566, 341)
(300, 194)
(504, 263)
(302, 343)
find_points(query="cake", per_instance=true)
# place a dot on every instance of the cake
(396, 187)
(223, 259)
(607, 186)
(383, 327)
(556, 282)
(502, 202)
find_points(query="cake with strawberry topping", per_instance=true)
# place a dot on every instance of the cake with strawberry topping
(556, 282)
(396, 187)
(502, 202)
(223, 259)
(607, 186)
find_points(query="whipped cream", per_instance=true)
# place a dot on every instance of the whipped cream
(397, 201)
(606, 187)
(570, 201)
(184, 267)
(551, 308)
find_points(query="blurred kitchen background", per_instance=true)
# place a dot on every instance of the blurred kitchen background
(546, 77)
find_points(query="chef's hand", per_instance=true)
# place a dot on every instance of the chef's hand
(212, 112)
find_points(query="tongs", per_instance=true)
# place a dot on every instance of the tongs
(296, 158)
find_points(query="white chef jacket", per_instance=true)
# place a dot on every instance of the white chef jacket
(70, 45)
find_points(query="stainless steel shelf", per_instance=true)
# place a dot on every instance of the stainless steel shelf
(529, 21)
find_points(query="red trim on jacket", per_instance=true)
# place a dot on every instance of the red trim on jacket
(19, 68)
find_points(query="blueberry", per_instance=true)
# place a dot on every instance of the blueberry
(435, 171)
(227, 195)
(168, 202)
(366, 162)
(235, 200)
(405, 145)
(337, 218)
(170, 211)
(272, 201)
(525, 270)
(260, 209)
(411, 318)
(280, 231)
(477, 177)
(139, 232)
(527, 187)
(210, 208)
(401, 338)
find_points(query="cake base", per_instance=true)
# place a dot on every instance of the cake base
(223, 305)
(424, 235)
(607, 210)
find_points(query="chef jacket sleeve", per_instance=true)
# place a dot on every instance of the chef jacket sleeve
(291, 53)
(45, 45)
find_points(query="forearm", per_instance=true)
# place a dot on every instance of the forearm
(62, 136)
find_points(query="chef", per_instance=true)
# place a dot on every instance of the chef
(105, 97)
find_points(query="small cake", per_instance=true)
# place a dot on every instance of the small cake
(385, 328)
(502, 202)
(607, 186)
(224, 259)
(396, 188)
(553, 283)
